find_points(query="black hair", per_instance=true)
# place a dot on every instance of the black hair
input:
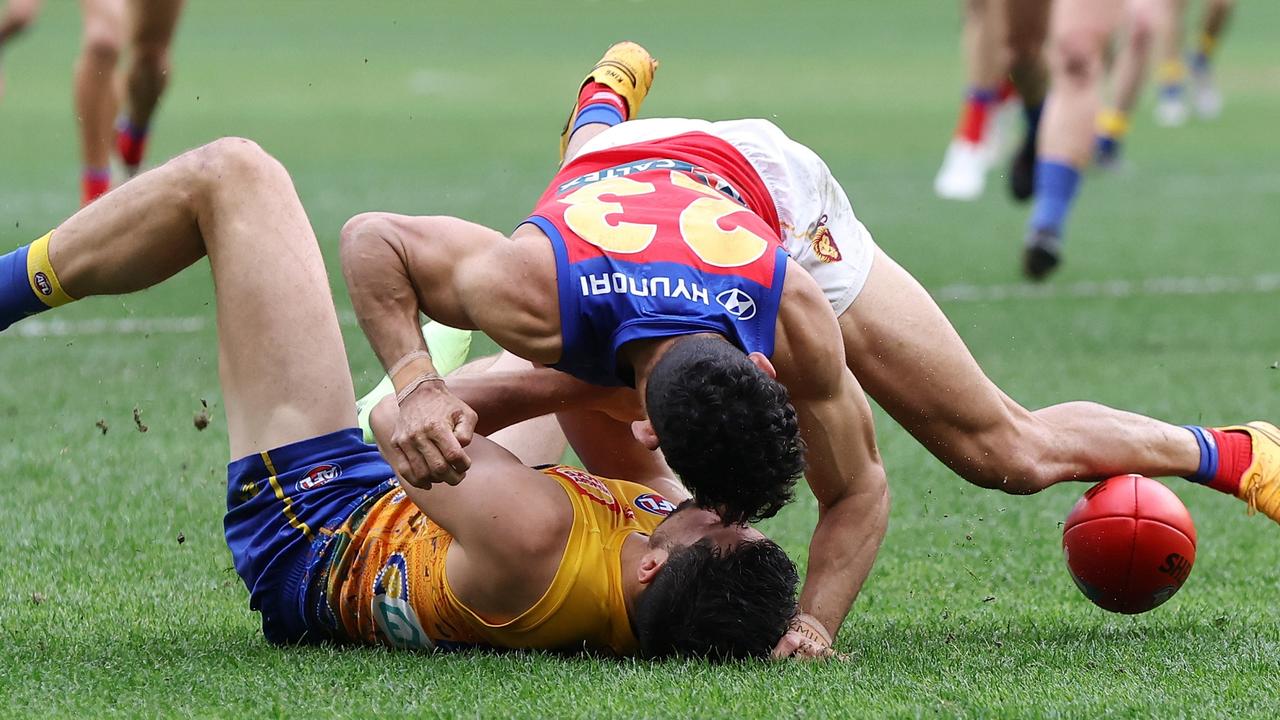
(726, 428)
(721, 605)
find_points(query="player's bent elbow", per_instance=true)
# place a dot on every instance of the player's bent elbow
(360, 233)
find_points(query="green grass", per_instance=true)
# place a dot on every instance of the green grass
(435, 107)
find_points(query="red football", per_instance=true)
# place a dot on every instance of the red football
(1129, 544)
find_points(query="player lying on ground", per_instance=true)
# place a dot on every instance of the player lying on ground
(655, 256)
(328, 544)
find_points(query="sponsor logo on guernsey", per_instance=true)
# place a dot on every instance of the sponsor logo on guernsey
(591, 487)
(702, 175)
(655, 504)
(664, 287)
(42, 284)
(319, 475)
(737, 303)
(392, 612)
(823, 243)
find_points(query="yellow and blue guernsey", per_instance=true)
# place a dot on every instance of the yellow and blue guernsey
(330, 549)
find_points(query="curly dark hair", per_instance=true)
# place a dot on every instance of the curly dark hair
(726, 428)
(720, 605)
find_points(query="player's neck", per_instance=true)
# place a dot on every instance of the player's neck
(642, 355)
(633, 551)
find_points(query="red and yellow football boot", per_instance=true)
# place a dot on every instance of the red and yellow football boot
(627, 69)
(1260, 484)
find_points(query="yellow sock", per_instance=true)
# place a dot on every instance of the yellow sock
(1172, 72)
(44, 281)
(1208, 44)
(1113, 124)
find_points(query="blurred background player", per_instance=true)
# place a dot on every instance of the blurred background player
(1206, 99)
(18, 14)
(1155, 28)
(145, 28)
(1003, 52)
(1079, 31)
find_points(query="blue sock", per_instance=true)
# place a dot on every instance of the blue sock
(1199, 62)
(1208, 455)
(17, 300)
(603, 113)
(1056, 184)
(1031, 113)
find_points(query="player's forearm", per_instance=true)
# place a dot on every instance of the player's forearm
(502, 399)
(383, 296)
(843, 550)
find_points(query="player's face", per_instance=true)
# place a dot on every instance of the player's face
(690, 524)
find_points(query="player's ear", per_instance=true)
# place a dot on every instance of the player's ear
(650, 565)
(643, 432)
(762, 362)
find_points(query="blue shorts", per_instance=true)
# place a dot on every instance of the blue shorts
(283, 507)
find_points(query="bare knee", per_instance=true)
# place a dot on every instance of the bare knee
(229, 163)
(1142, 30)
(101, 45)
(1076, 56)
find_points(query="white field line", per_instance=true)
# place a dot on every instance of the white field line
(958, 293)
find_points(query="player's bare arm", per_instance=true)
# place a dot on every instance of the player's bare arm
(844, 469)
(459, 273)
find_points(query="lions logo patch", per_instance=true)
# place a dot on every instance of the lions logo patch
(823, 243)
(392, 612)
(319, 475)
(655, 504)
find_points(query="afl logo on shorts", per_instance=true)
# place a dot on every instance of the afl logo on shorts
(43, 284)
(739, 304)
(824, 245)
(319, 475)
(655, 504)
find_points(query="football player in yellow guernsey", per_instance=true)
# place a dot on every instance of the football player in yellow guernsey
(330, 546)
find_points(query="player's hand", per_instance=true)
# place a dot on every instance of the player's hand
(433, 427)
(806, 639)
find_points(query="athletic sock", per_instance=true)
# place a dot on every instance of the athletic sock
(1031, 113)
(973, 118)
(1007, 90)
(1113, 125)
(1200, 58)
(598, 103)
(1056, 184)
(28, 284)
(94, 183)
(1224, 456)
(131, 141)
(1172, 74)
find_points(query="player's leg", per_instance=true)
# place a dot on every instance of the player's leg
(18, 14)
(907, 355)
(1206, 97)
(95, 91)
(1078, 32)
(281, 359)
(1171, 101)
(152, 24)
(1027, 23)
(611, 93)
(1147, 22)
(963, 174)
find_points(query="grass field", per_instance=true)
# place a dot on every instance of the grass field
(117, 595)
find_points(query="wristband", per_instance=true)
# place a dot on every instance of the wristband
(416, 383)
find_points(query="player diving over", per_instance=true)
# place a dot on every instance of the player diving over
(329, 545)
(702, 260)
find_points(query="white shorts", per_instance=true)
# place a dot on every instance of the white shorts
(819, 229)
